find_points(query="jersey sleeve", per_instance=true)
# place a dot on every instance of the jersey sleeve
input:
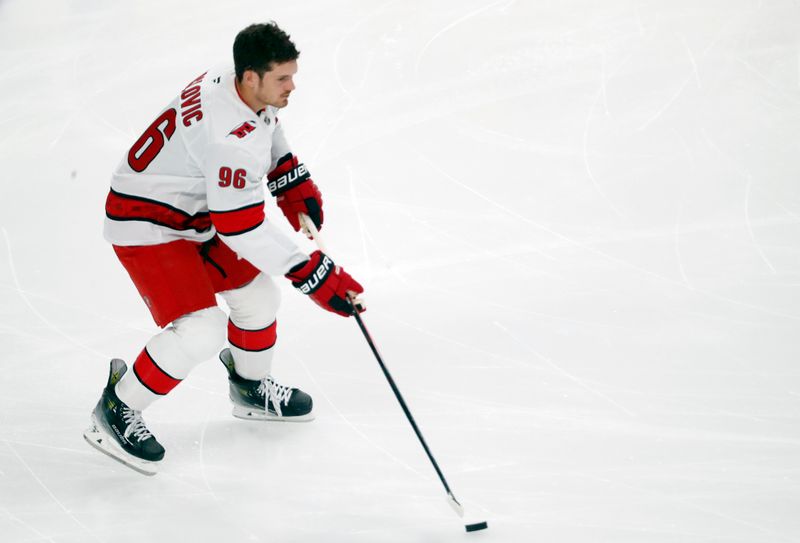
(236, 205)
(280, 147)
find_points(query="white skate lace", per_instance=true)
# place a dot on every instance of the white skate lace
(135, 424)
(277, 394)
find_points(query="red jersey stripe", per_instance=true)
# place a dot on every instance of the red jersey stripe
(151, 376)
(252, 340)
(238, 221)
(123, 207)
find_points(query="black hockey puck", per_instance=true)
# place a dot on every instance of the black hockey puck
(477, 526)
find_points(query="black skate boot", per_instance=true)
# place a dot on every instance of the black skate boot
(120, 432)
(248, 397)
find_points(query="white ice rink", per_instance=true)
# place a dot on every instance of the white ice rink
(578, 224)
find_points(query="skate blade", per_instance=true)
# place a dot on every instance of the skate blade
(106, 445)
(256, 414)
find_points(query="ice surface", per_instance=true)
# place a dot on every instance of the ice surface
(579, 228)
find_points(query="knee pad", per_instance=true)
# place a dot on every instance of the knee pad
(170, 355)
(201, 334)
(256, 304)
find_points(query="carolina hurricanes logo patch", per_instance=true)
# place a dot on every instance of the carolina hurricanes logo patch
(243, 129)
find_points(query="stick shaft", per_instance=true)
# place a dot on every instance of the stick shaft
(400, 399)
(311, 230)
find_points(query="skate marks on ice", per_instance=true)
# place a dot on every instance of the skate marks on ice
(46, 489)
(561, 371)
(474, 13)
(18, 288)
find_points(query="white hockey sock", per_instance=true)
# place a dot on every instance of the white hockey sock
(252, 327)
(252, 350)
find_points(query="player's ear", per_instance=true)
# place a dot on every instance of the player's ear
(250, 78)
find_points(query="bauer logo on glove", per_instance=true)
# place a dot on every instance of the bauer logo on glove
(327, 284)
(295, 191)
(292, 177)
(317, 277)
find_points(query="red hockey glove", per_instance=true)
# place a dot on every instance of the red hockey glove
(326, 283)
(296, 193)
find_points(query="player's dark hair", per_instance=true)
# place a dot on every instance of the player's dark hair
(260, 45)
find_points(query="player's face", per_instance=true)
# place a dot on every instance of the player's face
(277, 84)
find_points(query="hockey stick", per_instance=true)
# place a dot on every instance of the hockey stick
(311, 231)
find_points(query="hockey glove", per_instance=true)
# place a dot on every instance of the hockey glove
(296, 193)
(326, 283)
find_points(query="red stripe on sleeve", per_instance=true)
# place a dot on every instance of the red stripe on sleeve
(252, 340)
(151, 376)
(238, 221)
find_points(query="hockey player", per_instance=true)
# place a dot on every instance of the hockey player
(185, 216)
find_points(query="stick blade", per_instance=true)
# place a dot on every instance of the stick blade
(457, 507)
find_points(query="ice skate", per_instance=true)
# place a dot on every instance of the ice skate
(249, 397)
(120, 432)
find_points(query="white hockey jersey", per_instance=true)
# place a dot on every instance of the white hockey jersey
(197, 170)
